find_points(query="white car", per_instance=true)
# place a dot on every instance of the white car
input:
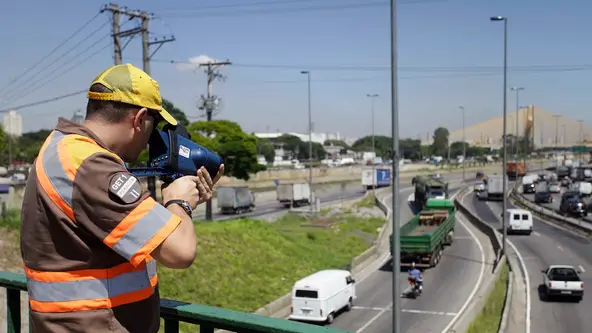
(563, 281)
(554, 188)
(479, 187)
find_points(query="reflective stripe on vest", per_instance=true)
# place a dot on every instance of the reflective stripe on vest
(59, 158)
(140, 232)
(90, 289)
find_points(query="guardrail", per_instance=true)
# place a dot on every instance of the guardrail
(579, 226)
(496, 243)
(207, 317)
(490, 232)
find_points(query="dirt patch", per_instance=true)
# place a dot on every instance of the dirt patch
(321, 223)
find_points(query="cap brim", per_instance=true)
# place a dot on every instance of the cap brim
(167, 117)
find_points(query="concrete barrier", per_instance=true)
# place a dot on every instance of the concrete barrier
(493, 235)
(280, 308)
(507, 302)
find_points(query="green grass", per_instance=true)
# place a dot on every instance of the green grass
(488, 320)
(244, 264)
(368, 201)
(11, 219)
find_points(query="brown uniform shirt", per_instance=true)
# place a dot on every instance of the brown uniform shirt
(86, 248)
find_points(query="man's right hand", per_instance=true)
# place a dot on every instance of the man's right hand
(193, 189)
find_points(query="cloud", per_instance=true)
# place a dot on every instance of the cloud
(194, 62)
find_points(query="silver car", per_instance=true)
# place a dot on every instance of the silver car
(554, 188)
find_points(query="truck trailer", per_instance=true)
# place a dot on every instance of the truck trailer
(375, 177)
(494, 189)
(424, 238)
(293, 194)
(515, 170)
(235, 199)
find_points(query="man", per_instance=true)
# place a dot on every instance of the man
(89, 234)
(415, 275)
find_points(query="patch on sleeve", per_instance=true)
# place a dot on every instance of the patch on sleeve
(126, 187)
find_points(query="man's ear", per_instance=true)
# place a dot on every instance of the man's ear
(139, 118)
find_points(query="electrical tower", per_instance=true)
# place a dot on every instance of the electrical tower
(143, 29)
(210, 103)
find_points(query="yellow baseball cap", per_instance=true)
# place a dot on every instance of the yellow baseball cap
(133, 86)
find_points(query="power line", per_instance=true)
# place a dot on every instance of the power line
(45, 101)
(417, 69)
(365, 4)
(63, 72)
(15, 79)
(62, 57)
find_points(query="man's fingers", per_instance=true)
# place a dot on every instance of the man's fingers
(207, 178)
(219, 174)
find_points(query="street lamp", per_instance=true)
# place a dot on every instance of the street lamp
(556, 116)
(372, 97)
(307, 73)
(516, 147)
(505, 131)
(395, 213)
(463, 141)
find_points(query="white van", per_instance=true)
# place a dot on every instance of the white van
(320, 296)
(519, 221)
(584, 188)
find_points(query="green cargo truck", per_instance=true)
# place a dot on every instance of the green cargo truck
(428, 188)
(424, 237)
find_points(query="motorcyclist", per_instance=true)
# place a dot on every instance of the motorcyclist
(415, 275)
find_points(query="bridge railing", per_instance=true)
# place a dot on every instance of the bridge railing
(207, 317)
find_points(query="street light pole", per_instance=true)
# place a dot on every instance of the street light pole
(395, 213)
(581, 145)
(516, 147)
(307, 73)
(504, 135)
(556, 116)
(372, 97)
(463, 141)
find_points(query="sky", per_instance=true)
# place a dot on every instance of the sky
(449, 54)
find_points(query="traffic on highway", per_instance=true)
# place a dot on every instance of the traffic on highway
(555, 259)
(447, 287)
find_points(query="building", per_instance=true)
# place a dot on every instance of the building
(12, 123)
(78, 117)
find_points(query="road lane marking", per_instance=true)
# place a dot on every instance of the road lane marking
(536, 233)
(463, 237)
(426, 312)
(526, 277)
(371, 308)
(582, 269)
(373, 319)
(559, 247)
(430, 312)
(479, 279)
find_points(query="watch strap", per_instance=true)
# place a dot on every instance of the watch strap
(184, 204)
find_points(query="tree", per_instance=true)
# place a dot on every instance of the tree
(410, 148)
(28, 145)
(175, 112)
(266, 148)
(299, 149)
(440, 144)
(226, 138)
(3, 147)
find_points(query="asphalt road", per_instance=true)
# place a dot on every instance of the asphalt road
(446, 288)
(556, 201)
(547, 245)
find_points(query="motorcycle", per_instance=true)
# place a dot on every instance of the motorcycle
(415, 287)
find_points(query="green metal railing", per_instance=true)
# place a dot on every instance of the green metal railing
(207, 317)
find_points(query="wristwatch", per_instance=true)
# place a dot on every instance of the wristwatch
(184, 204)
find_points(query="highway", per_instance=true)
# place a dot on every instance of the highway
(446, 288)
(547, 245)
(556, 201)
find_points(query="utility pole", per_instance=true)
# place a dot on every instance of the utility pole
(395, 199)
(209, 103)
(145, 18)
(372, 97)
(464, 142)
(310, 198)
(581, 142)
(556, 116)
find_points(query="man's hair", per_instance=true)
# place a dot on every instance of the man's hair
(107, 111)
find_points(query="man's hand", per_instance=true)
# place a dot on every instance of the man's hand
(206, 186)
